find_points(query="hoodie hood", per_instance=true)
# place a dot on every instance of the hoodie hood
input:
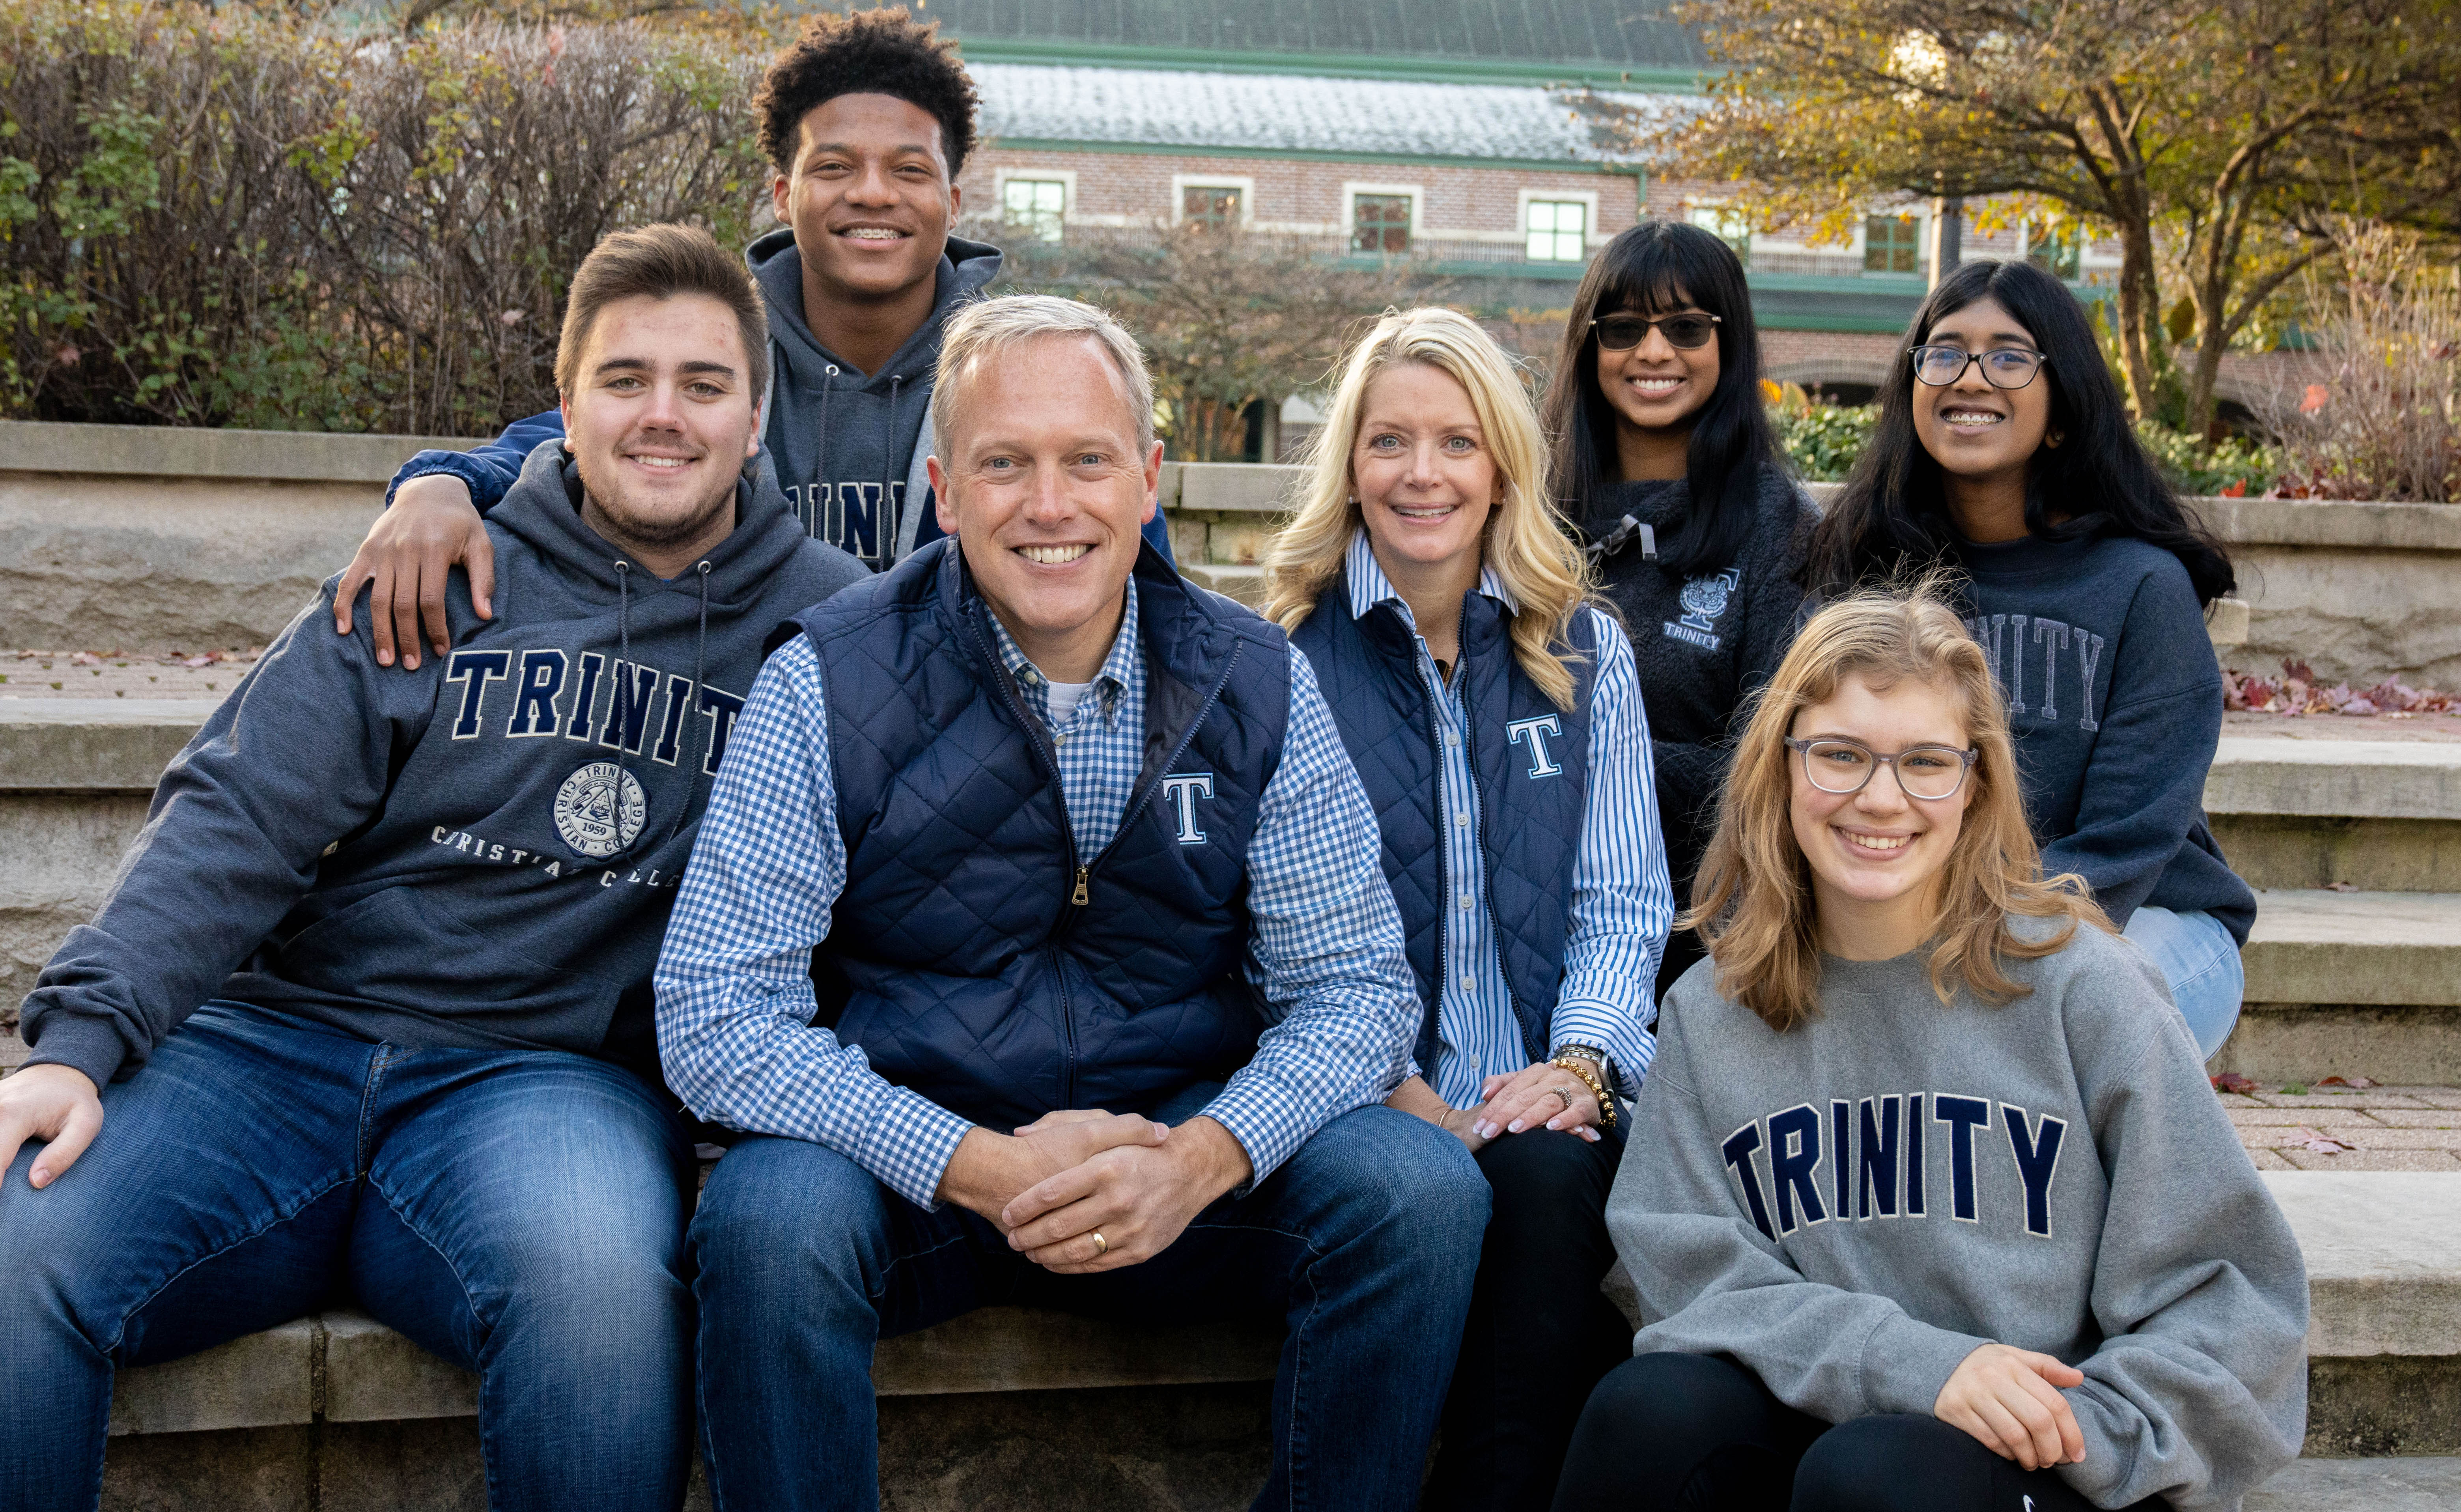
(844, 443)
(543, 510)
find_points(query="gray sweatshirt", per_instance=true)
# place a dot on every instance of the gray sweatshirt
(1850, 1208)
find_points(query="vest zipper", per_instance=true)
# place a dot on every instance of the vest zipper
(1044, 752)
(1143, 795)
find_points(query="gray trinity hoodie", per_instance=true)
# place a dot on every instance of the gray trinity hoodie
(849, 448)
(1851, 1208)
(479, 853)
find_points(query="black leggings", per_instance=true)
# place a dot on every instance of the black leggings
(1699, 1433)
(1540, 1333)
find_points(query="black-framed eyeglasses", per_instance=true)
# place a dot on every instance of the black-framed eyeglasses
(1845, 766)
(2003, 367)
(1687, 332)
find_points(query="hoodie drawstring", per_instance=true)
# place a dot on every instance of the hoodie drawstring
(627, 688)
(700, 743)
(886, 522)
(816, 497)
(629, 684)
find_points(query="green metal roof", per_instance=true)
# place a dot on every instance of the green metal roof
(1484, 41)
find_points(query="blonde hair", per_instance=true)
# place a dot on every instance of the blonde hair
(992, 328)
(1753, 901)
(1527, 544)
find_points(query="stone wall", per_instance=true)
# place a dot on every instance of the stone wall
(128, 538)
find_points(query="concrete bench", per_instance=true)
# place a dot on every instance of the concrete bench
(343, 1366)
(2382, 1248)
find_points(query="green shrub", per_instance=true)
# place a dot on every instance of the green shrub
(1823, 440)
(239, 217)
(2235, 466)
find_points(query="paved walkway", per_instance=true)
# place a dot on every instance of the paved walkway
(2296, 1127)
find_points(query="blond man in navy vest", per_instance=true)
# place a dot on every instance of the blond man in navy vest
(1109, 988)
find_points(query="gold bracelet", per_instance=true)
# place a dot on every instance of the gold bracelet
(1581, 1068)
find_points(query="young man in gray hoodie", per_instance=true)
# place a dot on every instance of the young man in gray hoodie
(867, 119)
(368, 1007)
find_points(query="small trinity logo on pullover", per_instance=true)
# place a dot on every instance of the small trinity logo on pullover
(1871, 1159)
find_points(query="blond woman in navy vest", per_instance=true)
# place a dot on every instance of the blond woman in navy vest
(1490, 706)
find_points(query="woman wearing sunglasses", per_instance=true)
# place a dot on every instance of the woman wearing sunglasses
(1929, 1222)
(1665, 461)
(1493, 718)
(2002, 450)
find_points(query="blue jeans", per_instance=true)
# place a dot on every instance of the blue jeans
(519, 1213)
(1364, 1241)
(2196, 956)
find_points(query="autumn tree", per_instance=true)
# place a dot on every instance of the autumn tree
(2230, 134)
(1228, 318)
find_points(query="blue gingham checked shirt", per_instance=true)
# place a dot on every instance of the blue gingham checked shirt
(734, 992)
(1621, 904)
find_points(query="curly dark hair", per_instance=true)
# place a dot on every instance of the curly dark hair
(882, 52)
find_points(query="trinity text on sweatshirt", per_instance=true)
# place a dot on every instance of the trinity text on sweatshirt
(1853, 1206)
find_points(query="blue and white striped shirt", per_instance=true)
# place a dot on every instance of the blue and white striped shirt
(734, 985)
(1621, 904)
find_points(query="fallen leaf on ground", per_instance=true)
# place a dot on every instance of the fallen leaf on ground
(2324, 1144)
(2358, 1083)
(2341, 887)
(2230, 1081)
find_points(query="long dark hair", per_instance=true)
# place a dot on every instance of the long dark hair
(1659, 265)
(1892, 517)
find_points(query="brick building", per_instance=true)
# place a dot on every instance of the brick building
(1461, 135)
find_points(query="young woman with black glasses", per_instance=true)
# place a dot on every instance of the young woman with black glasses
(2002, 450)
(1666, 463)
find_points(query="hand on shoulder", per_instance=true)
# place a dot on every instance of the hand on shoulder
(410, 550)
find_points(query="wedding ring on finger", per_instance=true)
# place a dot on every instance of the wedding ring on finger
(1102, 1245)
(1565, 1095)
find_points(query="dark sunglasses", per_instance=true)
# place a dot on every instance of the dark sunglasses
(2003, 367)
(1685, 332)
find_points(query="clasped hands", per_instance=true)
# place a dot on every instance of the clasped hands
(1056, 1183)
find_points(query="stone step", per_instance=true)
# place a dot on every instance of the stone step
(2383, 1261)
(2427, 1483)
(1012, 1407)
(2306, 811)
(343, 1366)
(2351, 984)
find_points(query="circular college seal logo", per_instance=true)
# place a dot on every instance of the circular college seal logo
(591, 816)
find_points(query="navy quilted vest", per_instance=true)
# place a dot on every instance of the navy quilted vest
(956, 957)
(1530, 817)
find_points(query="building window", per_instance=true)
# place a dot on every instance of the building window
(1035, 206)
(1559, 230)
(1891, 244)
(1380, 222)
(2054, 252)
(1214, 207)
(1727, 226)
